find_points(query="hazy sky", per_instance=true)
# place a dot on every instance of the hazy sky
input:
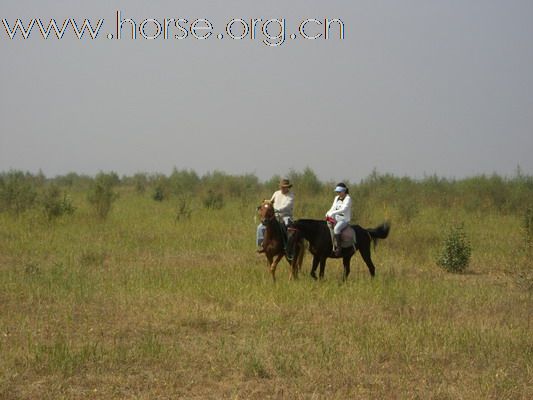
(415, 88)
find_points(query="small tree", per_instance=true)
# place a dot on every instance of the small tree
(306, 181)
(54, 205)
(214, 201)
(17, 192)
(140, 181)
(183, 210)
(159, 194)
(101, 195)
(161, 188)
(455, 254)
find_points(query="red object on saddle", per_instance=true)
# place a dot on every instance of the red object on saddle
(331, 220)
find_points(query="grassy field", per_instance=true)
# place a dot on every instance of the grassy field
(143, 305)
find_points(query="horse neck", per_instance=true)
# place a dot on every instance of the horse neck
(309, 229)
(273, 227)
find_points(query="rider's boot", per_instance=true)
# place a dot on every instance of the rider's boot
(337, 244)
(261, 247)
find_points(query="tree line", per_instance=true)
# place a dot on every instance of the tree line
(21, 191)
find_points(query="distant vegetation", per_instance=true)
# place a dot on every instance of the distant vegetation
(19, 191)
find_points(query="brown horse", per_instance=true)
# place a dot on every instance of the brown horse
(275, 240)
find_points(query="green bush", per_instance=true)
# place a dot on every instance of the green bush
(159, 193)
(101, 195)
(183, 181)
(183, 210)
(73, 180)
(140, 181)
(235, 186)
(17, 192)
(456, 251)
(306, 181)
(54, 205)
(161, 187)
(213, 200)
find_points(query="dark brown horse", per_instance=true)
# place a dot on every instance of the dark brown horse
(317, 233)
(275, 240)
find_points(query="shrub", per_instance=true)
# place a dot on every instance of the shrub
(214, 201)
(17, 192)
(73, 180)
(159, 193)
(101, 195)
(236, 186)
(54, 205)
(161, 188)
(306, 181)
(183, 210)
(140, 181)
(183, 181)
(455, 254)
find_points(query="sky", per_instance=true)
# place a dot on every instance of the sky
(415, 88)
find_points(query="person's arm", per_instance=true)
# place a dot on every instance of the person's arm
(331, 210)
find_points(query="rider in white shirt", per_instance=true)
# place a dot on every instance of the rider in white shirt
(340, 211)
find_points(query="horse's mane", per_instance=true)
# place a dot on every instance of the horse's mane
(309, 222)
(310, 226)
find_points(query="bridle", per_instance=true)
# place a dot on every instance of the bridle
(266, 220)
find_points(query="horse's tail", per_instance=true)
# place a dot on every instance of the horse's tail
(380, 232)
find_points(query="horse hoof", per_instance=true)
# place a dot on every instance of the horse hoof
(313, 275)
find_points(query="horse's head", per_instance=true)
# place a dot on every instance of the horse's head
(266, 211)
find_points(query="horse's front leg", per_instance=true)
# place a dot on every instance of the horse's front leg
(294, 269)
(274, 264)
(270, 259)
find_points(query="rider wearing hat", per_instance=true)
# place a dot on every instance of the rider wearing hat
(339, 214)
(283, 201)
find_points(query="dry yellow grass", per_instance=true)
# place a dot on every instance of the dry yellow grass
(142, 307)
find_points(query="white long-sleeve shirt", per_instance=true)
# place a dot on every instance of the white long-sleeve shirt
(283, 203)
(341, 210)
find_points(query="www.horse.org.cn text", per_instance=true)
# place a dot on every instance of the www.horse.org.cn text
(272, 32)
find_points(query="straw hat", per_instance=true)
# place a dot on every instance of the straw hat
(285, 183)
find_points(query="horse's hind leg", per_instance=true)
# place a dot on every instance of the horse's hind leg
(322, 267)
(365, 253)
(314, 267)
(346, 263)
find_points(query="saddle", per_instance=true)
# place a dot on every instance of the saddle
(348, 238)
